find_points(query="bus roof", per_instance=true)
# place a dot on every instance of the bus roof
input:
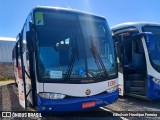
(134, 24)
(7, 39)
(66, 9)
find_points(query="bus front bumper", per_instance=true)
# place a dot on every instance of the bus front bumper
(76, 104)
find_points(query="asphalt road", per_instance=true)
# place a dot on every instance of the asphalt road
(9, 102)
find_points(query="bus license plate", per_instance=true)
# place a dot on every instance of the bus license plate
(88, 104)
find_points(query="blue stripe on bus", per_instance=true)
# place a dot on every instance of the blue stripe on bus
(75, 104)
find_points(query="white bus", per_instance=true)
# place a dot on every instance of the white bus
(64, 60)
(138, 51)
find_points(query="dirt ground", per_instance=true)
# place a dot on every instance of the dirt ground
(9, 102)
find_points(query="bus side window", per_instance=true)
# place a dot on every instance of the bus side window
(27, 28)
(24, 39)
(19, 56)
(16, 54)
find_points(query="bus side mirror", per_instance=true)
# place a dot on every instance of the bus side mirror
(30, 41)
(149, 37)
(150, 41)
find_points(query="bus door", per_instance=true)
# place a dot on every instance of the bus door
(19, 76)
(131, 64)
(24, 80)
(134, 68)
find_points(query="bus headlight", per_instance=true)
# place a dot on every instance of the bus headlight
(57, 96)
(157, 81)
(112, 89)
(52, 95)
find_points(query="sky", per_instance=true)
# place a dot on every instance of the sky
(14, 12)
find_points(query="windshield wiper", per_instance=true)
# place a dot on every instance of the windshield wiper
(98, 59)
(72, 59)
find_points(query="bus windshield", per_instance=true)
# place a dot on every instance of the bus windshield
(154, 53)
(64, 46)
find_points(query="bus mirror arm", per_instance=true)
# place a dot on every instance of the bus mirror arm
(143, 34)
(31, 25)
(118, 51)
(149, 37)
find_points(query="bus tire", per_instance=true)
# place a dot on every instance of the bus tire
(15, 82)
